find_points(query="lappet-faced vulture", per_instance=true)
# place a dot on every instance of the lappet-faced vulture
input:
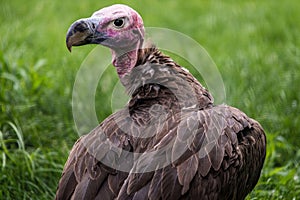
(170, 141)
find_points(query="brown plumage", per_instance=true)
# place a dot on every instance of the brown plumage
(206, 151)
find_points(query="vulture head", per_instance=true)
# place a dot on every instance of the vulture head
(117, 27)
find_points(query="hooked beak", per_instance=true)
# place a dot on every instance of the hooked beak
(84, 31)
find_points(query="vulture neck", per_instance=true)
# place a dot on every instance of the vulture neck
(125, 59)
(124, 62)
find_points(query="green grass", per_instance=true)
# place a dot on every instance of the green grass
(255, 45)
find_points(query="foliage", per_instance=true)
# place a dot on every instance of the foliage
(255, 44)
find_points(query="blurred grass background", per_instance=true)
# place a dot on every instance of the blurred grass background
(255, 45)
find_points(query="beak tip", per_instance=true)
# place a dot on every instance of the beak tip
(69, 44)
(69, 48)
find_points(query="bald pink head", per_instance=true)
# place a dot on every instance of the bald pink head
(121, 24)
(118, 27)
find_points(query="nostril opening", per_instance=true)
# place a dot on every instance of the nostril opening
(81, 27)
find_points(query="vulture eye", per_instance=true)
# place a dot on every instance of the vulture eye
(119, 23)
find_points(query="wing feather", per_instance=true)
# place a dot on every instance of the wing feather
(170, 186)
(67, 185)
(154, 192)
(186, 172)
